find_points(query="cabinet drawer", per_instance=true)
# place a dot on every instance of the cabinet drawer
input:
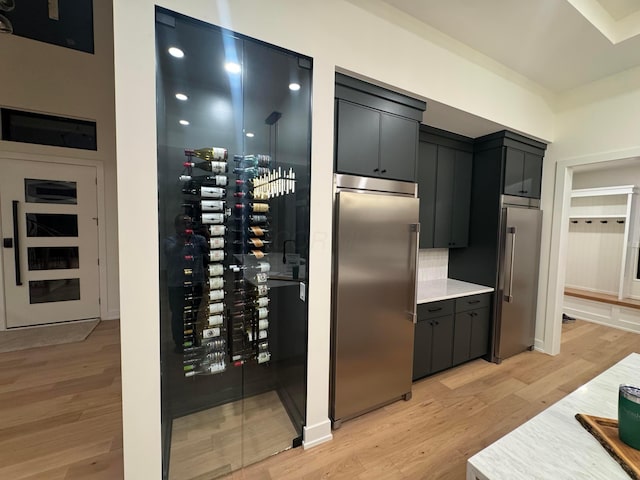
(435, 309)
(473, 301)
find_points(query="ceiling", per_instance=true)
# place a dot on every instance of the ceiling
(558, 44)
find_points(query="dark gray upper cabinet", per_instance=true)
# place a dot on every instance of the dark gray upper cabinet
(398, 147)
(356, 122)
(376, 131)
(520, 158)
(445, 165)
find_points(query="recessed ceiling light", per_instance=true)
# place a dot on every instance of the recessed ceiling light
(184, 122)
(176, 52)
(294, 86)
(181, 96)
(232, 67)
(250, 135)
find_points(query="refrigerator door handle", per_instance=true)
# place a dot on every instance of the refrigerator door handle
(414, 248)
(511, 231)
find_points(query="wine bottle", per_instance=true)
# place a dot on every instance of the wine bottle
(263, 324)
(259, 267)
(213, 218)
(211, 332)
(257, 242)
(217, 255)
(215, 295)
(263, 357)
(262, 313)
(211, 153)
(215, 320)
(195, 181)
(206, 192)
(258, 219)
(216, 270)
(213, 167)
(255, 302)
(250, 171)
(259, 160)
(216, 242)
(217, 230)
(216, 308)
(253, 207)
(258, 254)
(212, 205)
(216, 283)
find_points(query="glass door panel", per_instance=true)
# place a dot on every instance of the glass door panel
(233, 180)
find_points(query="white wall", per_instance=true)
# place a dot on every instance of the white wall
(596, 123)
(336, 34)
(50, 79)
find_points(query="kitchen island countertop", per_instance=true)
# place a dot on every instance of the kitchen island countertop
(445, 288)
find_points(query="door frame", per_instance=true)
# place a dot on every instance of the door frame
(102, 234)
(554, 254)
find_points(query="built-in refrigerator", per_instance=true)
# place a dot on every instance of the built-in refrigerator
(374, 297)
(518, 257)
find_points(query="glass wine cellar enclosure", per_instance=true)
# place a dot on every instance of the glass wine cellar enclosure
(234, 141)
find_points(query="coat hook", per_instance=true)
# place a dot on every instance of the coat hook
(620, 221)
(588, 221)
(604, 221)
(574, 221)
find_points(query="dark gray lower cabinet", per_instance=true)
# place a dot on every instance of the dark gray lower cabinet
(450, 332)
(433, 341)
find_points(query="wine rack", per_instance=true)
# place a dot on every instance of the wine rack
(229, 322)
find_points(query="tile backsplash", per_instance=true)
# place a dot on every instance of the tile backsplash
(433, 263)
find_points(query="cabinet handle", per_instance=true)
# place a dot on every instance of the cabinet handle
(434, 309)
(383, 171)
(471, 302)
(524, 191)
(376, 169)
(437, 323)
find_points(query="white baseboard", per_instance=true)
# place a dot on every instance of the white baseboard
(316, 434)
(112, 315)
(627, 319)
(538, 344)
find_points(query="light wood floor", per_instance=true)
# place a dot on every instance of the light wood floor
(214, 442)
(60, 410)
(60, 413)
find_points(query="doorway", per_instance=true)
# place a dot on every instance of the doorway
(49, 227)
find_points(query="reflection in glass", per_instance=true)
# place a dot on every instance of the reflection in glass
(255, 405)
(52, 225)
(61, 290)
(52, 258)
(50, 191)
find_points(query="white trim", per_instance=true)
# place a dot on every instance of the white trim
(559, 239)
(316, 434)
(602, 191)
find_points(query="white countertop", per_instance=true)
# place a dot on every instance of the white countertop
(553, 445)
(445, 288)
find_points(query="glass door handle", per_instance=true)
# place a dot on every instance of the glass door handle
(16, 242)
(413, 259)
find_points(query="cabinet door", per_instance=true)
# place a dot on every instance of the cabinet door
(444, 197)
(462, 336)
(427, 160)
(442, 343)
(461, 200)
(398, 147)
(532, 175)
(480, 326)
(422, 349)
(358, 139)
(513, 170)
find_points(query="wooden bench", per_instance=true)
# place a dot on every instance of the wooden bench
(602, 297)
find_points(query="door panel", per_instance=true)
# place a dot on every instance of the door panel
(522, 244)
(398, 147)
(358, 139)
(513, 169)
(374, 300)
(532, 175)
(56, 246)
(444, 196)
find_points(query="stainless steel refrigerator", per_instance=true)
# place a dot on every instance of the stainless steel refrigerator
(374, 297)
(519, 256)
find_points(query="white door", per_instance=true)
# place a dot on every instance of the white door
(48, 221)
